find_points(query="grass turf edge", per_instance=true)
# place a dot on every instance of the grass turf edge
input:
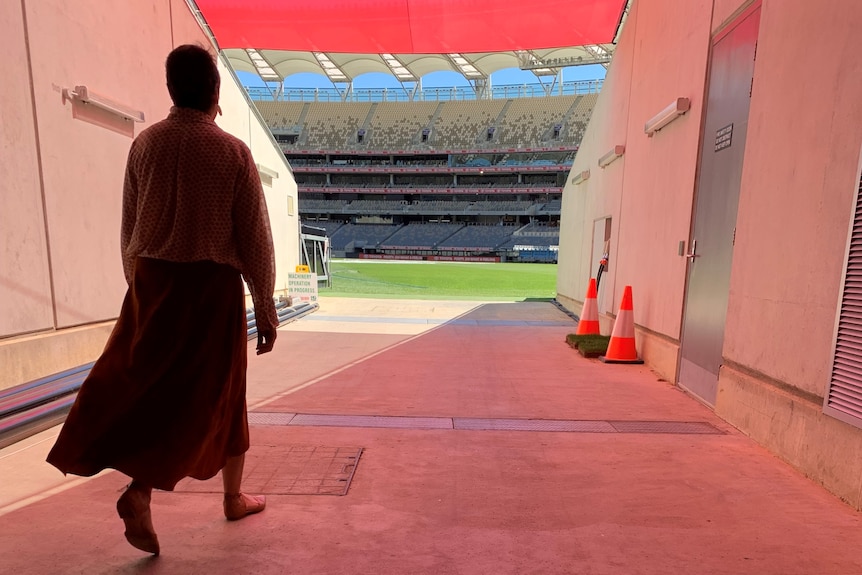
(591, 345)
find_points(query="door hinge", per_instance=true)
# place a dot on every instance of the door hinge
(693, 253)
(733, 242)
(753, 59)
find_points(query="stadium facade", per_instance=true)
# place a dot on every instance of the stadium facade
(445, 180)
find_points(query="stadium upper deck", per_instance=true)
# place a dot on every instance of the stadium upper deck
(554, 122)
(425, 94)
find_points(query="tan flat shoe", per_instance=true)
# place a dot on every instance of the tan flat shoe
(134, 509)
(238, 505)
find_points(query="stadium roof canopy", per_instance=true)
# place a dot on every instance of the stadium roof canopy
(411, 38)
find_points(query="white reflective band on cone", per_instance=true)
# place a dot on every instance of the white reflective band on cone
(624, 326)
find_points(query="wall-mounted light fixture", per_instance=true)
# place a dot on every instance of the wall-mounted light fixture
(85, 96)
(608, 158)
(263, 170)
(676, 108)
(267, 175)
(582, 177)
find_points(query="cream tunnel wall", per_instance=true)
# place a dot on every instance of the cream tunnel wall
(647, 193)
(241, 119)
(799, 176)
(61, 168)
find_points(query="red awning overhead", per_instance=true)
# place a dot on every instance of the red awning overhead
(411, 26)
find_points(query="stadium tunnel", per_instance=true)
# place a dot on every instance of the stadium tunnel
(718, 182)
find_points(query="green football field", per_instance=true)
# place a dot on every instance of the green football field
(441, 280)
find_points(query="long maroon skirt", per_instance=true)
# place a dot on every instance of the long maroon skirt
(166, 399)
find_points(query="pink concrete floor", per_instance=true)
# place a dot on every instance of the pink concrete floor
(448, 501)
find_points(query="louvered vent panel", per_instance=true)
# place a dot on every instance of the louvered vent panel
(844, 399)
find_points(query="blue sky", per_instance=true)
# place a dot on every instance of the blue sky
(433, 80)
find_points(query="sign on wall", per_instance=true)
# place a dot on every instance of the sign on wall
(724, 137)
(302, 287)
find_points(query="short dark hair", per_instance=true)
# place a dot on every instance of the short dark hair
(193, 78)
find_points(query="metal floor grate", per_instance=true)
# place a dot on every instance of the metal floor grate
(372, 421)
(688, 427)
(269, 418)
(533, 425)
(483, 424)
(289, 470)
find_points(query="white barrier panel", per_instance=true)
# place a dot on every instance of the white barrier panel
(302, 287)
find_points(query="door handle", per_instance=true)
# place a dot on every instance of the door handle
(693, 253)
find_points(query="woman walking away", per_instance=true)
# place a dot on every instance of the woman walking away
(166, 399)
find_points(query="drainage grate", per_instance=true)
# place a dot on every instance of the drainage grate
(289, 470)
(533, 425)
(372, 421)
(682, 427)
(256, 418)
(483, 424)
(510, 323)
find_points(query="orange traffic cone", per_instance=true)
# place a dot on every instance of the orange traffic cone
(588, 323)
(621, 348)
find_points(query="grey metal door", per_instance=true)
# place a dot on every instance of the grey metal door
(716, 200)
